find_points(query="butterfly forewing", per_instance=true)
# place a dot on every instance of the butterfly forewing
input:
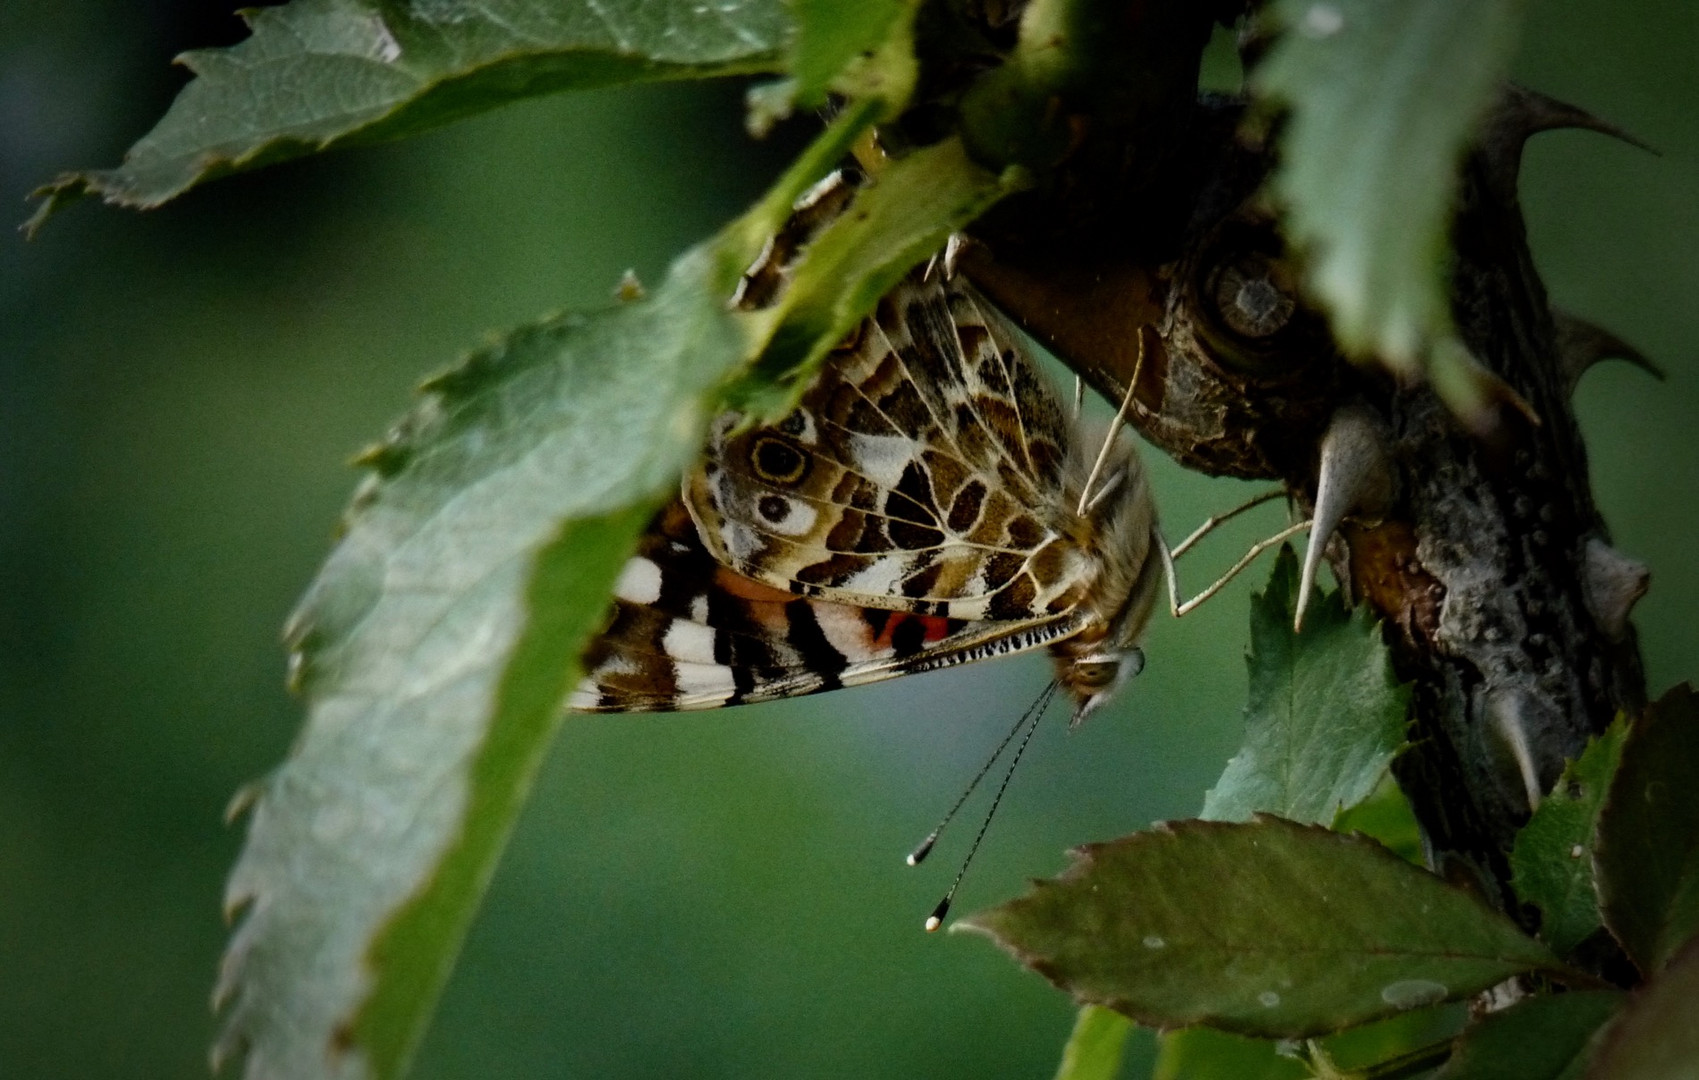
(908, 477)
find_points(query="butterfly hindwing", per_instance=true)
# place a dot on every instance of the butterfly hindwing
(688, 633)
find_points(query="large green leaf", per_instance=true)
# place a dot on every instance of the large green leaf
(1542, 1038)
(1552, 861)
(434, 650)
(438, 642)
(322, 73)
(433, 683)
(1326, 713)
(1646, 852)
(1656, 1037)
(1269, 928)
(1383, 98)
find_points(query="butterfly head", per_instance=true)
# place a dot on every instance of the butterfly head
(1095, 677)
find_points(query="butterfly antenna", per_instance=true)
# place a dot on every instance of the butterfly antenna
(919, 854)
(1114, 430)
(1030, 722)
(1079, 396)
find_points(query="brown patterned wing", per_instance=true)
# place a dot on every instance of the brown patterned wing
(923, 472)
(685, 632)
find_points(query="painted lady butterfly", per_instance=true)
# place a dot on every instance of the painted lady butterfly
(926, 504)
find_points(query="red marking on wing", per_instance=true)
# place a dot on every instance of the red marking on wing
(936, 628)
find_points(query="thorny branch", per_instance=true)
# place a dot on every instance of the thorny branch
(1504, 603)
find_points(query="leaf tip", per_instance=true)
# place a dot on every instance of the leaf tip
(630, 288)
(50, 198)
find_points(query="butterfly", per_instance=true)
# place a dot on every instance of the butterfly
(928, 502)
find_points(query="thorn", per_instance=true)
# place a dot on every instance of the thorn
(1611, 584)
(1534, 112)
(1520, 114)
(1581, 344)
(1355, 479)
(936, 919)
(1475, 395)
(1509, 711)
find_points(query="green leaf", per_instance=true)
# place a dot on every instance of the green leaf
(1646, 852)
(431, 690)
(1387, 817)
(433, 685)
(1552, 861)
(1094, 1049)
(907, 213)
(1270, 928)
(1326, 713)
(1407, 1039)
(1383, 99)
(1656, 1037)
(1405, 1045)
(1200, 1052)
(322, 73)
(837, 43)
(439, 641)
(1540, 1038)
(1404, 1041)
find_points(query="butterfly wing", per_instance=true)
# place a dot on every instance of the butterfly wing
(688, 633)
(924, 472)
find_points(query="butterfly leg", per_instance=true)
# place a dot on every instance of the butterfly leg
(1216, 520)
(1177, 608)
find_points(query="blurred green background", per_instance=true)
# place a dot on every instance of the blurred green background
(705, 896)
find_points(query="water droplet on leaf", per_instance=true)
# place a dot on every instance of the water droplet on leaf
(1412, 993)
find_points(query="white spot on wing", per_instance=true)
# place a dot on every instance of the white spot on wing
(639, 582)
(617, 664)
(881, 458)
(798, 520)
(703, 684)
(883, 577)
(699, 608)
(847, 632)
(585, 696)
(689, 642)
